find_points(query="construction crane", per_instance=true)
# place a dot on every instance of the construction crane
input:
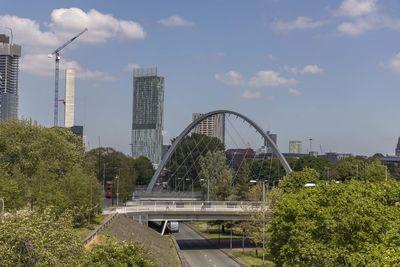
(56, 53)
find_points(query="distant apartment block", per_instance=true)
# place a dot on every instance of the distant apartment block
(295, 147)
(69, 102)
(9, 61)
(147, 119)
(213, 126)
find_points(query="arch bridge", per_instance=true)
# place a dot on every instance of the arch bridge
(192, 125)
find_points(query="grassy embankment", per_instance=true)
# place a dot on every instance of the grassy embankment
(82, 232)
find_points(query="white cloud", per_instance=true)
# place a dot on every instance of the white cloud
(269, 78)
(38, 40)
(359, 26)
(357, 8)
(313, 69)
(27, 32)
(230, 78)
(394, 63)
(68, 21)
(300, 23)
(248, 94)
(131, 67)
(40, 64)
(175, 21)
(294, 92)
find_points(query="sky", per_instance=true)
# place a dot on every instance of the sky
(326, 70)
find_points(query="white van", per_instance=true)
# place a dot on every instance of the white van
(174, 227)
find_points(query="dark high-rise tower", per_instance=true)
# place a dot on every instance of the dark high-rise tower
(9, 59)
(147, 121)
(397, 151)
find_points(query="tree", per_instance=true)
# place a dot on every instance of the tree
(375, 170)
(296, 180)
(320, 164)
(184, 162)
(114, 166)
(270, 170)
(38, 239)
(356, 223)
(349, 168)
(144, 170)
(216, 176)
(242, 181)
(113, 253)
(37, 165)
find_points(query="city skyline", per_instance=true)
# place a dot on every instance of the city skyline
(329, 72)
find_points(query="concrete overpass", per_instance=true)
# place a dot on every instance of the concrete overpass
(164, 211)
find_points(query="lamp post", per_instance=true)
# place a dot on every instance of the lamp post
(187, 179)
(327, 171)
(117, 180)
(208, 189)
(2, 205)
(356, 171)
(264, 183)
(386, 172)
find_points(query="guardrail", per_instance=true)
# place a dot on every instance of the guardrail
(192, 206)
(99, 228)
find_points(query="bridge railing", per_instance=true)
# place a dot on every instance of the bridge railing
(99, 228)
(198, 206)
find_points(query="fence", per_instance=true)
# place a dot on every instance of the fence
(99, 228)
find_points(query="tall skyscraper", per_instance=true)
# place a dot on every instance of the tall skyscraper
(295, 147)
(9, 59)
(213, 126)
(69, 105)
(397, 150)
(148, 107)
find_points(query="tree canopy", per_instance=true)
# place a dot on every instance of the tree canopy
(38, 239)
(355, 223)
(216, 176)
(41, 167)
(184, 162)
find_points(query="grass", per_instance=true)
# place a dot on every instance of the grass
(250, 258)
(212, 231)
(82, 232)
(175, 252)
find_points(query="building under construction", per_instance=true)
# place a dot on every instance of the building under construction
(9, 60)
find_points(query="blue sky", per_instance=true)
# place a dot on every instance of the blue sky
(327, 70)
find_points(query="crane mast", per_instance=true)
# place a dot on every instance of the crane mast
(56, 53)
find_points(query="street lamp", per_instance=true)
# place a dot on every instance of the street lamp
(117, 180)
(208, 188)
(2, 206)
(356, 171)
(187, 179)
(264, 183)
(386, 172)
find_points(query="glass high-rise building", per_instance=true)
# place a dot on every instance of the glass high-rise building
(147, 121)
(9, 60)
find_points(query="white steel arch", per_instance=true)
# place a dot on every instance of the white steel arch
(190, 127)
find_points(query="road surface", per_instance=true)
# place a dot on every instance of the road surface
(199, 252)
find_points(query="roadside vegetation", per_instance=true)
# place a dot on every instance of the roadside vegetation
(52, 198)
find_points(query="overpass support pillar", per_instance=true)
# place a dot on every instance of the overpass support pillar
(164, 227)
